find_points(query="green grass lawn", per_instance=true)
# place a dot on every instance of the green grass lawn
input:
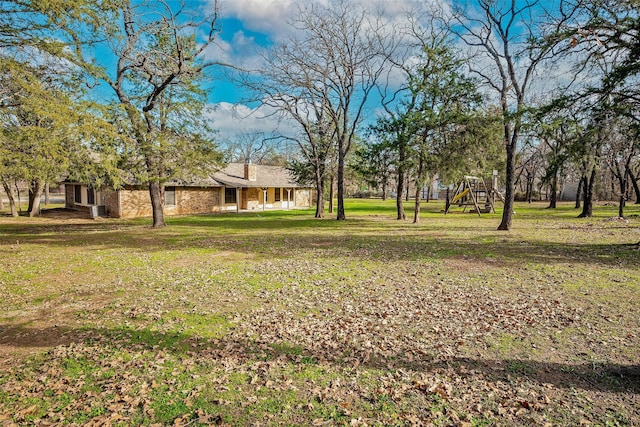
(277, 318)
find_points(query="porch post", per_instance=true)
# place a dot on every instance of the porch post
(264, 198)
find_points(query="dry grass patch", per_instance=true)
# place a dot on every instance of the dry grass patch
(276, 318)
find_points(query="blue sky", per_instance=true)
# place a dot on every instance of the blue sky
(249, 25)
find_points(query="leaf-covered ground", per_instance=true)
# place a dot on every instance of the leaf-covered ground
(279, 319)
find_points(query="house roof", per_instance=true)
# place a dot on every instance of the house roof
(266, 176)
(233, 176)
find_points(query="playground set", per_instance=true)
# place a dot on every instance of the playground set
(472, 191)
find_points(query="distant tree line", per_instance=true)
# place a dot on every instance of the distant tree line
(541, 91)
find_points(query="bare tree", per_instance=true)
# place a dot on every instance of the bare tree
(633, 177)
(323, 76)
(620, 148)
(251, 146)
(283, 83)
(503, 35)
(528, 167)
(556, 130)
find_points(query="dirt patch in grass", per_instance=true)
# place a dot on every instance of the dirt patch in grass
(65, 214)
(473, 263)
(240, 321)
(17, 342)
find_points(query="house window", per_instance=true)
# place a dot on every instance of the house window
(77, 194)
(91, 196)
(230, 195)
(169, 196)
(277, 194)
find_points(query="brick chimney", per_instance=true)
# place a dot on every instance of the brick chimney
(250, 171)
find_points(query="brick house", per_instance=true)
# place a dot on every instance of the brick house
(237, 187)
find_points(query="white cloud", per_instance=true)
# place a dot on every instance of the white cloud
(235, 119)
(241, 51)
(241, 41)
(220, 51)
(270, 20)
(247, 51)
(269, 17)
(272, 17)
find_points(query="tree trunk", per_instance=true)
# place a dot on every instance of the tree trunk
(35, 194)
(1, 202)
(613, 187)
(30, 196)
(157, 205)
(341, 214)
(402, 154)
(587, 207)
(8, 189)
(419, 184)
(416, 210)
(622, 180)
(578, 191)
(399, 193)
(530, 179)
(331, 195)
(634, 184)
(546, 192)
(621, 204)
(319, 178)
(554, 192)
(15, 182)
(385, 187)
(509, 194)
(47, 195)
(407, 185)
(447, 202)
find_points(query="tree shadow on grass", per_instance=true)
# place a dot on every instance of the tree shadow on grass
(290, 236)
(370, 246)
(602, 377)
